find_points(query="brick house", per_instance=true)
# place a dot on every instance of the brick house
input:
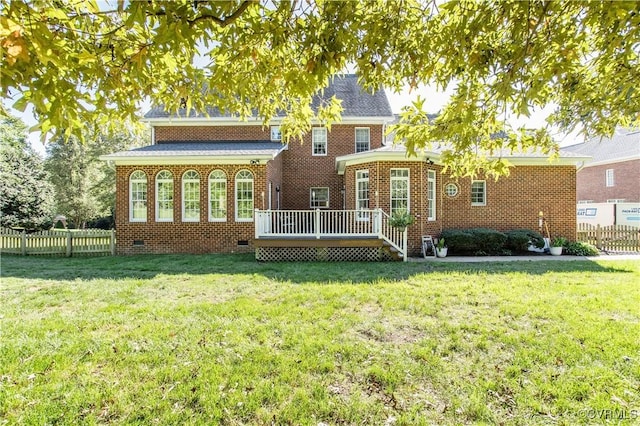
(613, 174)
(217, 184)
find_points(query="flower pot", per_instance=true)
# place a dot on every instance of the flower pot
(441, 252)
(555, 251)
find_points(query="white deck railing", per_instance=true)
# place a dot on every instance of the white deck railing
(329, 224)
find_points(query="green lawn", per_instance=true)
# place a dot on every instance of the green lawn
(222, 339)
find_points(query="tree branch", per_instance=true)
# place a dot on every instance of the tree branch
(227, 20)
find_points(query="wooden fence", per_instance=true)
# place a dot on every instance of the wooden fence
(614, 238)
(58, 242)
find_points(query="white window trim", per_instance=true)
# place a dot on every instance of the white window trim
(314, 189)
(313, 143)
(235, 195)
(146, 201)
(355, 138)
(391, 179)
(609, 178)
(183, 183)
(173, 200)
(484, 193)
(226, 189)
(432, 200)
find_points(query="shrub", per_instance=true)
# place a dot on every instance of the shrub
(581, 249)
(519, 240)
(477, 241)
(459, 241)
(488, 240)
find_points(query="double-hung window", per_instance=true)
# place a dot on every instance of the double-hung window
(431, 195)
(217, 196)
(319, 198)
(138, 197)
(319, 140)
(362, 193)
(609, 178)
(478, 193)
(190, 196)
(363, 139)
(164, 196)
(399, 190)
(244, 196)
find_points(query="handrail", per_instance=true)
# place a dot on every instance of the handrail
(330, 223)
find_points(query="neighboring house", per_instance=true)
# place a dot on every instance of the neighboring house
(613, 174)
(218, 184)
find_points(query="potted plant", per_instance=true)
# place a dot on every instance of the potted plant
(556, 245)
(401, 219)
(441, 248)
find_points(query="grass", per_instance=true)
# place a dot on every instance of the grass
(222, 339)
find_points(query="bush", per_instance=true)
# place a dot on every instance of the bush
(488, 240)
(106, 222)
(477, 241)
(459, 241)
(519, 240)
(581, 249)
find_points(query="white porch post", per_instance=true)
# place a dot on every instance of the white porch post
(317, 223)
(258, 224)
(404, 244)
(377, 222)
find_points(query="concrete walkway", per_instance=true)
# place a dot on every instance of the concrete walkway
(530, 258)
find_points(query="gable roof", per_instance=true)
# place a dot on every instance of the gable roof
(355, 102)
(208, 152)
(624, 145)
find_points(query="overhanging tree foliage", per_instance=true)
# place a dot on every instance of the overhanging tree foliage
(26, 197)
(77, 62)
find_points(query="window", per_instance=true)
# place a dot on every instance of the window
(244, 196)
(451, 189)
(319, 137)
(319, 198)
(190, 196)
(362, 193)
(217, 196)
(362, 139)
(431, 195)
(275, 133)
(138, 196)
(609, 181)
(399, 190)
(164, 196)
(478, 193)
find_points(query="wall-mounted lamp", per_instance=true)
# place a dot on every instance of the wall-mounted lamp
(254, 162)
(429, 161)
(277, 188)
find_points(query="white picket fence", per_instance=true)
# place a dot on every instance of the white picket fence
(58, 242)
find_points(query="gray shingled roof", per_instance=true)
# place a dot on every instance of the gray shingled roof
(624, 144)
(211, 149)
(355, 101)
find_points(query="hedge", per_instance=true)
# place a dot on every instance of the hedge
(483, 241)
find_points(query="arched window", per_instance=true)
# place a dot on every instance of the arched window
(164, 196)
(217, 196)
(138, 196)
(244, 196)
(190, 196)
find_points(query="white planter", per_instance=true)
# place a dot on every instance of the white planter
(555, 251)
(441, 252)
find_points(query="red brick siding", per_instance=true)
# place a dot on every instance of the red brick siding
(302, 170)
(178, 236)
(592, 182)
(512, 203)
